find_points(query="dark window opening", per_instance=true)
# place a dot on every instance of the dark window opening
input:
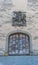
(19, 44)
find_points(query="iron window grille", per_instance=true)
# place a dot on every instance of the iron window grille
(18, 44)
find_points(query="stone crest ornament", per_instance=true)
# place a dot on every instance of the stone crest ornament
(19, 18)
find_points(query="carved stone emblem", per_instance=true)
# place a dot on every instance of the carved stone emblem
(19, 18)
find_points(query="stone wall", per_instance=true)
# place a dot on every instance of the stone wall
(6, 27)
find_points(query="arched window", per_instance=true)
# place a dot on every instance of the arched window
(19, 44)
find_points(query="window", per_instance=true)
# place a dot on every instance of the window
(19, 44)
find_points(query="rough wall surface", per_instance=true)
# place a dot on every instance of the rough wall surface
(6, 9)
